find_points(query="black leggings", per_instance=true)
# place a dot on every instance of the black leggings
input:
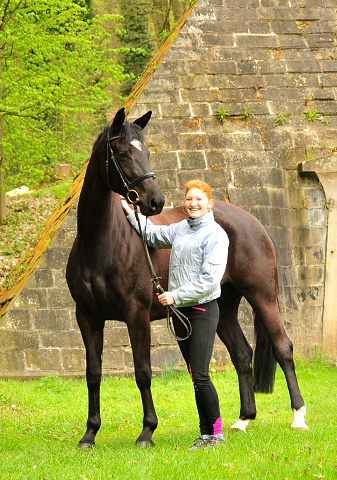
(197, 352)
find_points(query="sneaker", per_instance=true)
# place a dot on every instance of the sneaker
(200, 442)
(215, 440)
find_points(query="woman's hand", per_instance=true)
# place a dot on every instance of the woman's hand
(126, 207)
(166, 298)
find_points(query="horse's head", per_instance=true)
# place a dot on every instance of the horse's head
(127, 165)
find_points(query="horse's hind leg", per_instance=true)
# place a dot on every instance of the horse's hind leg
(267, 312)
(93, 341)
(241, 353)
(140, 337)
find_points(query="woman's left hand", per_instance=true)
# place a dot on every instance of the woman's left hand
(166, 298)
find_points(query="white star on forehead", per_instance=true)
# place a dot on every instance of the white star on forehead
(137, 144)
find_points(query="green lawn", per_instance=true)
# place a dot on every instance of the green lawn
(41, 422)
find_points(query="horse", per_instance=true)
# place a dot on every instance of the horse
(108, 278)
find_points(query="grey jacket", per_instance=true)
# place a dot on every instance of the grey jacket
(198, 257)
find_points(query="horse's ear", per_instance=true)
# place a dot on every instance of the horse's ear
(118, 121)
(143, 121)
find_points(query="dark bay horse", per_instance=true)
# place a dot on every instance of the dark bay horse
(108, 278)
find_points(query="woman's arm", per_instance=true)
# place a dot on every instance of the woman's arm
(157, 236)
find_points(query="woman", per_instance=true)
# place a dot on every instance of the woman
(197, 264)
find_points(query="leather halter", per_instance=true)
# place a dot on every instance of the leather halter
(129, 186)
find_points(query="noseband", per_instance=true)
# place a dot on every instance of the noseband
(129, 186)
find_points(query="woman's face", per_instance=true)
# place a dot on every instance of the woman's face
(197, 203)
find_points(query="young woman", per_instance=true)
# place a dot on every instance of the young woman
(197, 264)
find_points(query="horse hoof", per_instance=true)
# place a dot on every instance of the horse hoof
(299, 422)
(144, 443)
(240, 425)
(84, 445)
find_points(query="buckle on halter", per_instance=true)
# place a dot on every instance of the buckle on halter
(134, 193)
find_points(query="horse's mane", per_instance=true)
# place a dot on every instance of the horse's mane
(128, 132)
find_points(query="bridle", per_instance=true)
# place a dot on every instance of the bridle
(129, 186)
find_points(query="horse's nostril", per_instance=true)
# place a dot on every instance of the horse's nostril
(156, 206)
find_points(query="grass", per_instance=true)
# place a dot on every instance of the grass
(41, 422)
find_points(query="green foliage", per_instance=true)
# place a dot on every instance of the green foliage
(55, 69)
(311, 115)
(248, 111)
(136, 47)
(281, 118)
(222, 113)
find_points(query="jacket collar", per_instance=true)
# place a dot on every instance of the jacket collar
(206, 219)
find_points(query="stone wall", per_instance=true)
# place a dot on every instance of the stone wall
(270, 56)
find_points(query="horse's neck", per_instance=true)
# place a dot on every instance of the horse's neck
(98, 207)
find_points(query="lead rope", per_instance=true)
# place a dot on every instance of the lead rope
(155, 280)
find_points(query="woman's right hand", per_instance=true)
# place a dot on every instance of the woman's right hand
(126, 207)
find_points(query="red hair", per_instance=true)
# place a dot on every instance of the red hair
(201, 185)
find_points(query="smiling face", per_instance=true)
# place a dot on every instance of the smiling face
(197, 203)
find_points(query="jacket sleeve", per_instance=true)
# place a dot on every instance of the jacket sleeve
(157, 236)
(212, 270)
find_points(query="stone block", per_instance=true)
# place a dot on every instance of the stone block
(19, 340)
(169, 66)
(303, 66)
(200, 110)
(113, 358)
(187, 125)
(261, 176)
(165, 357)
(276, 139)
(59, 298)
(16, 319)
(11, 361)
(61, 339)
(271, 67)
(200, 95)
(256, 41)
(286, 27)
(162, 96)
(218, 178)
(163, 143)
(57, 257)
(64, 237)
(44, 278)
(193, 141)
(48, 359)
(320, 40)
(314, 255)
(164, 161)
(277, 197)
(73, 360)
(192, 160)
(248, 196)
(312, 275)
(185, 175)
(309, 236)
(49, 319)
(31, 298)
(222, 141)
(163, 82)
(167, 179)
(139, 110)
(248, 141)
(216, 159)
(179, 111)
(159, 125)
(318, 217)
(115, 336)
(59, 277)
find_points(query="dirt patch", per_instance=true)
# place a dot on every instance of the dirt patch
(26, 217)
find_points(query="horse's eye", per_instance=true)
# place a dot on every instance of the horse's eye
(123, 154)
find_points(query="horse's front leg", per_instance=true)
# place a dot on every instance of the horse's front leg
(92, 334)
(140, 337)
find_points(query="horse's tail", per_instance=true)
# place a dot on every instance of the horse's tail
(264, 360)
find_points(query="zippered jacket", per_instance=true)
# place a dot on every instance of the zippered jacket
(198, 257)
